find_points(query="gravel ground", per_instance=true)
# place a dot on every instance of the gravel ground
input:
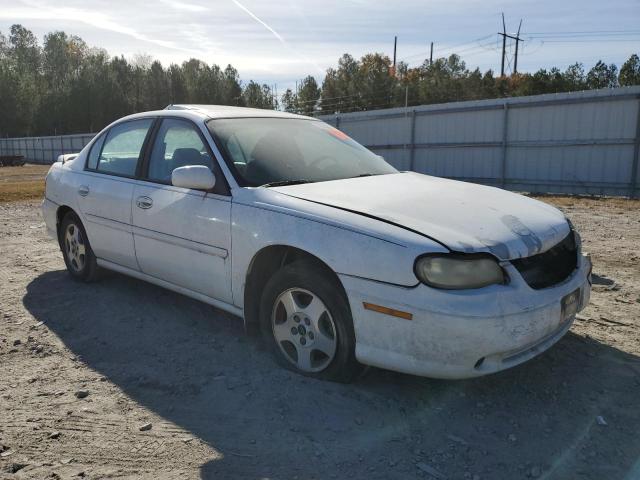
(121, 379)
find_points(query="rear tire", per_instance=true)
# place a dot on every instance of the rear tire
(306, 320)
(76, 250)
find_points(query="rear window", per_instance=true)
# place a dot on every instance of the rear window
(123, 146)
(94, 154)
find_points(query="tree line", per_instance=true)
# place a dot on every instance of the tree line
(64, 86)
(372, 82)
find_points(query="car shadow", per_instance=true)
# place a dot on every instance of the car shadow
(193, 365)
(601, 280)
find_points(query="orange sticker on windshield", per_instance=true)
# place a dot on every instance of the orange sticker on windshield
(338, 134)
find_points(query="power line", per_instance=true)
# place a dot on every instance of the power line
(612, 40)
(358, 101)
(581, 36)
(453, 47)
(468, 52)
(587, 32)
(347, 105)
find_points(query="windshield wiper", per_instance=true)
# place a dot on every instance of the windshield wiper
(282, 183)
(367, 175)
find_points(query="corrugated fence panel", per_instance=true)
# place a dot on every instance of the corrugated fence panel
(585, 147)
(399, 158)
(459, 144)
(577, 143)
(44, 149)
(379, 133)
(481, 163)
(394, 130)
(459, 126)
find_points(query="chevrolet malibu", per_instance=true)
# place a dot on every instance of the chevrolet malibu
(337, 257)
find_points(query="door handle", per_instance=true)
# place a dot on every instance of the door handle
(83, 190)
(144, 202)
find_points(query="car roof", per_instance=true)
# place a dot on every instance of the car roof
(226, 111)
(207, 112)
(204, 113)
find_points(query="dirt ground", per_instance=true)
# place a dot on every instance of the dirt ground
(219, 407)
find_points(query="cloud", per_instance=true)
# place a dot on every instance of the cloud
(189, 7)
(277, 35)
(293, 38)
(36, 11)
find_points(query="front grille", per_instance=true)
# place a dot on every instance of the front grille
(551, 267)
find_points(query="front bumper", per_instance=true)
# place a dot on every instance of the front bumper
(461, 333)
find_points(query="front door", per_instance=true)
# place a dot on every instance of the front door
(105, 190)
(183, 236)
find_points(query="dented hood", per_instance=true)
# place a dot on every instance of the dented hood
(465, 217)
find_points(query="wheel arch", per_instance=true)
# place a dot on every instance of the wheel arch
(61, 212)
(266, 262)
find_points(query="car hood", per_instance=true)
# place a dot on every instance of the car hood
(464, 217)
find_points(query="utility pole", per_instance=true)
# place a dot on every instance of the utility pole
(393, 69)
(504, 46)
(431, 55)
(518, 40)
(395, 46)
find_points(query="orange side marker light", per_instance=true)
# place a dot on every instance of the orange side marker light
(387, 311)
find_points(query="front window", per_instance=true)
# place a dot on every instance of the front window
(177, 144)
(275, 150)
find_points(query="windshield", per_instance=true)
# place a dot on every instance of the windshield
(281, 150)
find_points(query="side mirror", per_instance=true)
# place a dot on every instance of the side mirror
(197, 177)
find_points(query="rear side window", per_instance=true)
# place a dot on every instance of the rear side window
(123, 146)
(94, 154)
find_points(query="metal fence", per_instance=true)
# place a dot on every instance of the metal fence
(44, 149)
(575, 143)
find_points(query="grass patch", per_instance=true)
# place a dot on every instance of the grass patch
(22, 183)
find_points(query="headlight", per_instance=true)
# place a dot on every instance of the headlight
(459, 271)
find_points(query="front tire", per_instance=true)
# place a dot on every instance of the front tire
(306, 320)
(76, 250)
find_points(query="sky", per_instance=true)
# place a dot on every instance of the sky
(280, 41)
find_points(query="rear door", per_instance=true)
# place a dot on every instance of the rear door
(183, 236)
(105, 191)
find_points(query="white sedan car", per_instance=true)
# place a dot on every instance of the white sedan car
(337, 257)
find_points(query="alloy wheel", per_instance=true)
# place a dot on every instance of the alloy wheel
(304, 329)
(74, 247)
